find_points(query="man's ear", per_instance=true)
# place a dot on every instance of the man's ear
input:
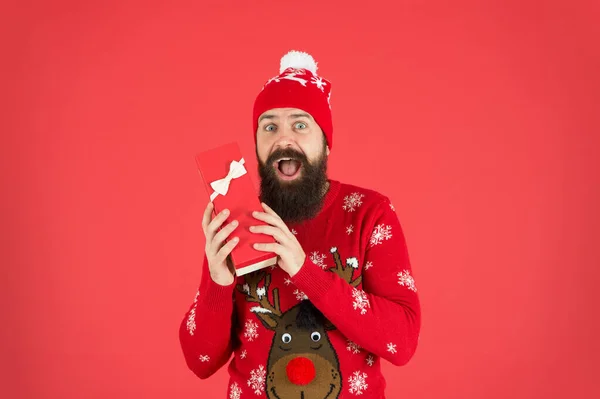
(328, 150)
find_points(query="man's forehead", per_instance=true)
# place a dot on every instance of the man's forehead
(277, 113)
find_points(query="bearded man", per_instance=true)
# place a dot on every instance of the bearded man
(341, 297)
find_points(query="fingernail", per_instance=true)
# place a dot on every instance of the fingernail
(226, 212)
(254, 213)
(234, 223)
(235, 239)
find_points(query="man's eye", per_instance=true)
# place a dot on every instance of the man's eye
(300, 125)
(270, 128)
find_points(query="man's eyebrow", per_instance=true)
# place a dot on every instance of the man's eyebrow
(301, 116)
(267, 116)
(271, 116)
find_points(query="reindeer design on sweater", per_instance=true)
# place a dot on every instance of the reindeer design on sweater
(302, 362)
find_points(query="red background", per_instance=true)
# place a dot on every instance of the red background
(479, 120)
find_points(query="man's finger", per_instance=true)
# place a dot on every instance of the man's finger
(273, 219)
(269, 247)
(224, 233)
(226, 249)
(206, 217)
(268, 209)
(270, 219)
(275, 232)
(216, 223)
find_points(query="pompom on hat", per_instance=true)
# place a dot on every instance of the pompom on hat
(297, 86)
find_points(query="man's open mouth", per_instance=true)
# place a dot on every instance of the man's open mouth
(287, 168)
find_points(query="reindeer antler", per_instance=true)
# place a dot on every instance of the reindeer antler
(260, 295)
(345, 272)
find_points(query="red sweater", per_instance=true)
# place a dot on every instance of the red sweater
(322, 333)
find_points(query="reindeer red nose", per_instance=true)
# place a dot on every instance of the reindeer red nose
(300, 371)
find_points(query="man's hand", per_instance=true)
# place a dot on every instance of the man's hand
(291, 255)
(219, 261)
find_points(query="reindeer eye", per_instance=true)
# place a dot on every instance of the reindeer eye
(286, 338)
(315, 336)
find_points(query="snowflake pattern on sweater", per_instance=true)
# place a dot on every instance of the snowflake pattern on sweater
(391, 348)
(358, 383)
(331, 305)
(191, 320)
(257, 379)
(251, 330)
(352, 201)
(235, 392)
(300, 296)
(361, 301)
(318, 259)
(406, 280)
(353, 347)
(380, 233)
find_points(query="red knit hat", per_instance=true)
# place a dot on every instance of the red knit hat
(297, 86)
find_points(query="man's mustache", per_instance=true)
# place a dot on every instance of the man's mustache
(286, 153)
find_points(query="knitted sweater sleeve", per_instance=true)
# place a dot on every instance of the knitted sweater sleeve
(384, 315)
(205, 333)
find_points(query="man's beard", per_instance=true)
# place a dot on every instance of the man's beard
(299, 199)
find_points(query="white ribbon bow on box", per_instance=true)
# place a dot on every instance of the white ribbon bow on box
(221, 186)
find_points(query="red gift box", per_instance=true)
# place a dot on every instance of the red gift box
(229, 185)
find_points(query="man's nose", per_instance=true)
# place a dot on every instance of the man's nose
(286, 137)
